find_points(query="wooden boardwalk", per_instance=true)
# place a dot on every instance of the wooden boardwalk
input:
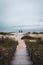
(21, 56)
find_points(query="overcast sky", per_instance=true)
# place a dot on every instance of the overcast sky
(21, 12)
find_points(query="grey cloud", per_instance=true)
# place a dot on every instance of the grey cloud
(11, 10)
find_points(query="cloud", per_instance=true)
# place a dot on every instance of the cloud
(15, 12)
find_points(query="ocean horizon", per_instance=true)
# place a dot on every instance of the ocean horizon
(24, 28)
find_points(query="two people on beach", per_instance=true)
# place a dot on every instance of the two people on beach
(20, 31)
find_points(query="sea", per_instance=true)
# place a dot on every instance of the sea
(19, 28)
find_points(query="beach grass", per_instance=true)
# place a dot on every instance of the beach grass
(7, 49)
(35, 48)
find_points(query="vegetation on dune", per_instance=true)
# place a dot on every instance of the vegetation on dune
(35, 49)
(30, 38)
(6, 33)
(37, 33)
(27, 37)
(7, 48)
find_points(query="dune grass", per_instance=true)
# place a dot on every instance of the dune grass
(7, 48)
(35, 48)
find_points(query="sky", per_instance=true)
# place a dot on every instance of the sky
(21, 12)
